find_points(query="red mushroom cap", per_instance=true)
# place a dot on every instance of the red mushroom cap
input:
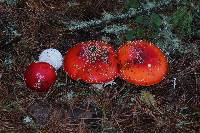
(142, 63)
(92, 62)
(40, 76)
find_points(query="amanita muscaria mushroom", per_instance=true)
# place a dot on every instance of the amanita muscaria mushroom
(92, 62)
(51, 56)
(142, 63)
(40, 76)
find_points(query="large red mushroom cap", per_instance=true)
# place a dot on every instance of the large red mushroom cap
(92, 62)
(40, 76)
(142, 63)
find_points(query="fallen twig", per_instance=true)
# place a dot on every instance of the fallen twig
(81, 25)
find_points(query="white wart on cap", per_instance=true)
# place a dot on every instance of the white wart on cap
(52, 56)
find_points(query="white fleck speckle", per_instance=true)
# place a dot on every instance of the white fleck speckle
(95, 52)
(174, 83)
(149, 65)
(27, 120)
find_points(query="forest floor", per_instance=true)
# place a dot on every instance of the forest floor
(28, 27)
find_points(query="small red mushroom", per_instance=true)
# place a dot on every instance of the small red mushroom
(92, 62)
(142, 63)
(40, 76)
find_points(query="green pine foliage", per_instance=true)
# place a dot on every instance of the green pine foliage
(145, 24)
(181, 21)
(132, 4)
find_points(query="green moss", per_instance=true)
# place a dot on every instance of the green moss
(132, 4)
(10, 2)
(147, 98)
(182, 21)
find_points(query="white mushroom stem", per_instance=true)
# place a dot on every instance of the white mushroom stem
(101, 86)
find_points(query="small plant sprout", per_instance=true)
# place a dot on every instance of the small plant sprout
(142, 63)
(92, 62)
(52, 56)
(27, 120)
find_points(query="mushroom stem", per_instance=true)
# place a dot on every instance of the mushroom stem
(101, 86)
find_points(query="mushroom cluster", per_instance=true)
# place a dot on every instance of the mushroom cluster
(139, 62)
(40, 76)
